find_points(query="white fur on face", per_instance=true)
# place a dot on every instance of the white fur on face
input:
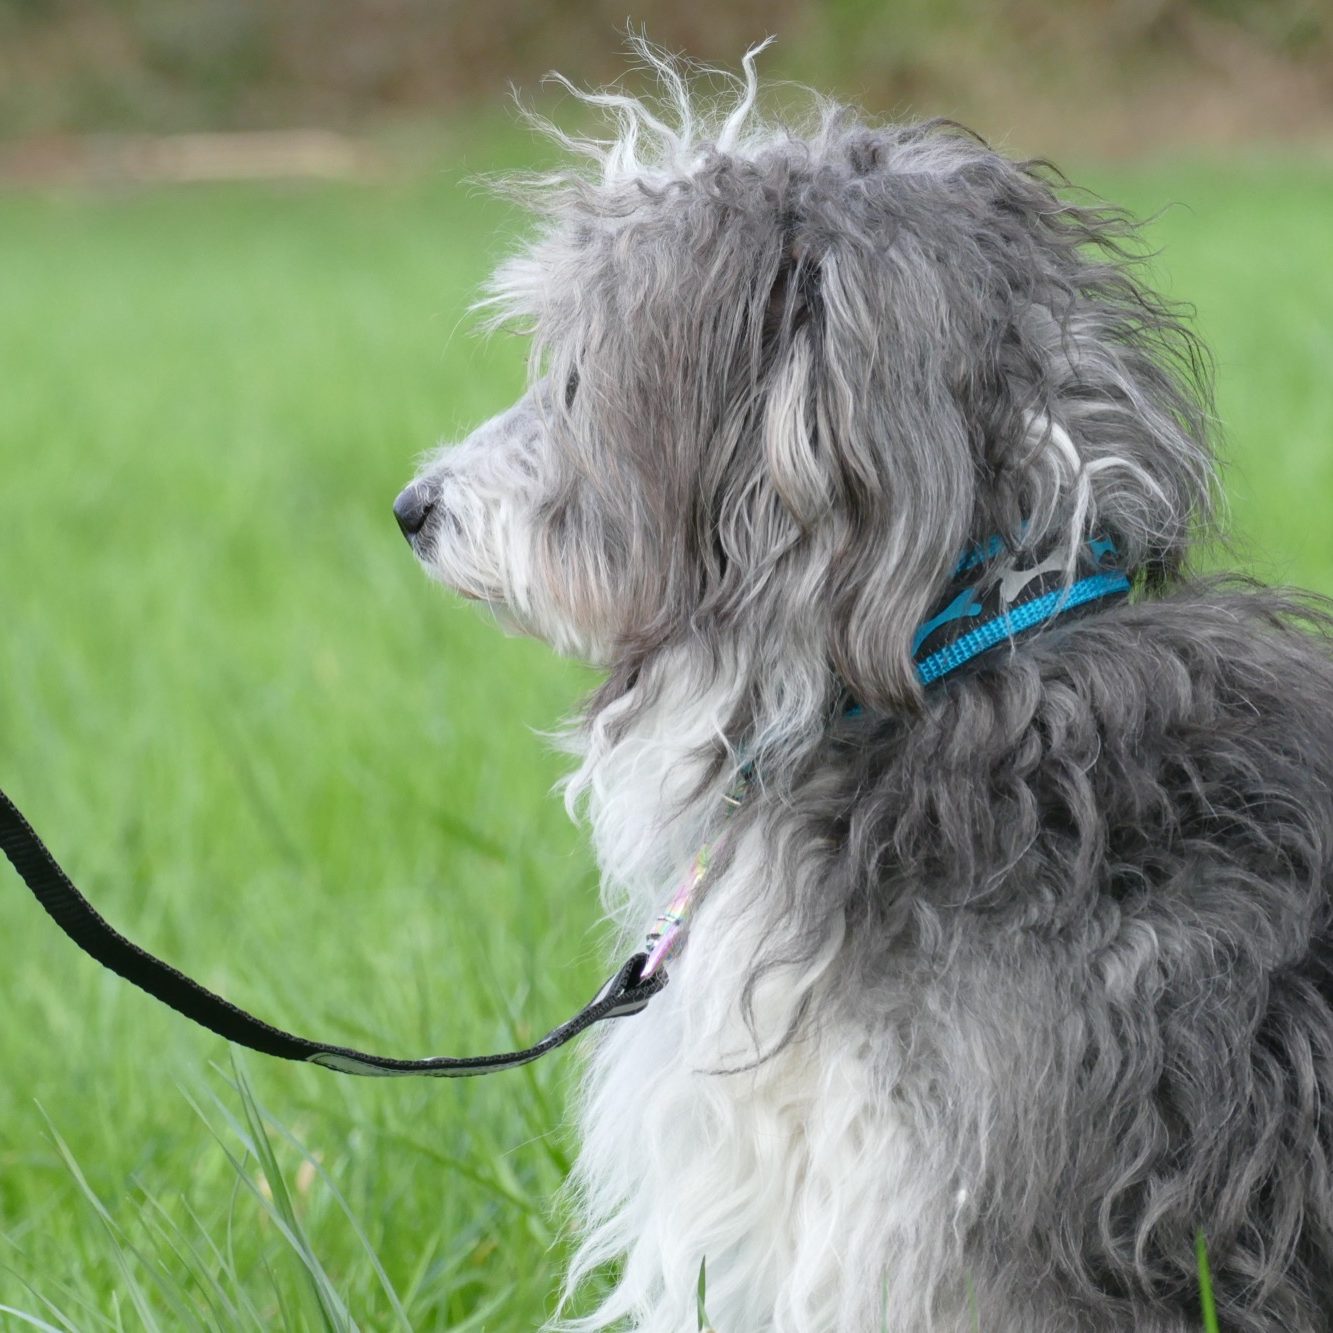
(485, 537)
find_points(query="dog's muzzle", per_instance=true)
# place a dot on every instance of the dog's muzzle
(412, 508)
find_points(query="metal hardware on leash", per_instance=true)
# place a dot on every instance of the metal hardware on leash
(665, 935)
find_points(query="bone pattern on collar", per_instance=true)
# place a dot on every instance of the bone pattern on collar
(992, 602)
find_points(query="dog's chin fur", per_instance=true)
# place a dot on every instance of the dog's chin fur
(1002, 990)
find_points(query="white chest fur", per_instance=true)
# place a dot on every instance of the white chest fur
(778, 1159)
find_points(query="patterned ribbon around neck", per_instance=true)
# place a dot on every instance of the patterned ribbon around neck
(989, 602)
(993, 601)
(664, 934)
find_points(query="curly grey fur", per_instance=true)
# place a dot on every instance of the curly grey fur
(782, 379)
(1088, 890)
(851, 337)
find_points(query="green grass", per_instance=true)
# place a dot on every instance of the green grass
(1207, 1305)
(271, 752)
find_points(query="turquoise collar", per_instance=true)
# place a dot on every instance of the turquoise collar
(992, 600)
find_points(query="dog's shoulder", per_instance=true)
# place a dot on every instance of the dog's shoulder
(1221, 653)
(1137, 746)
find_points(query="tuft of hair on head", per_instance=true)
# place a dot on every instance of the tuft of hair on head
(670, 135)
(815, 363)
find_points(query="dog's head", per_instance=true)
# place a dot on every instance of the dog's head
(780, 380)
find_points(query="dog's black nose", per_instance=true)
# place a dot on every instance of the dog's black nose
(412, 509)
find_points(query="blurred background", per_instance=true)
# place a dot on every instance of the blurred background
(1098, 75)
(238, 239)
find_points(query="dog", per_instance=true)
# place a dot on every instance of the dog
(992, 990)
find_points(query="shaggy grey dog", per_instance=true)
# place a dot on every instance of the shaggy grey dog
(1000, 987)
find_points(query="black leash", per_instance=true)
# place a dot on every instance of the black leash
(988, 605)
(627, 992)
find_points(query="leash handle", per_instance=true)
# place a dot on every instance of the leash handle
(625, 993)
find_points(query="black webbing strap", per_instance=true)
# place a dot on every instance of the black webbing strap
(625, 993)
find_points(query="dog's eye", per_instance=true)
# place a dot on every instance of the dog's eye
(571, 387)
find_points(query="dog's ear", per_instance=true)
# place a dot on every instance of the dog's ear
(895, 445)
(866, 459)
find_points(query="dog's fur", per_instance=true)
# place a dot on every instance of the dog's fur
(1005, 988)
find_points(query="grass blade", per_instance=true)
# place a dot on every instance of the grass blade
(1206, 1300)
(266, 1117)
